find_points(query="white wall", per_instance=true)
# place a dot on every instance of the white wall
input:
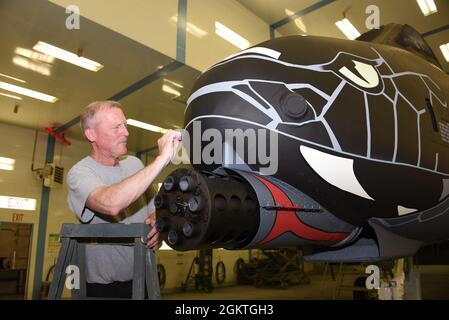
(17, 143)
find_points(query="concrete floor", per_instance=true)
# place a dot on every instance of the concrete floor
(314, 290)
(434, 286)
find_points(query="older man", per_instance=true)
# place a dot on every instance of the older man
(108, 186)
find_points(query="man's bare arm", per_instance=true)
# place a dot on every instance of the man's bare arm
(113, 199)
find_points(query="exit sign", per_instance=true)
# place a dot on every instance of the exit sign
(17, 217)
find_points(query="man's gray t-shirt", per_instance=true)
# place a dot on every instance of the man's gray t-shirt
(106, 263)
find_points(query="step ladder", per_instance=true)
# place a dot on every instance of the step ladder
(74, 238)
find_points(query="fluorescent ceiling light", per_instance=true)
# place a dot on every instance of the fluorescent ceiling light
(17, 203)
(231, 36)
(168, 89)
(7, 163)
(34, 55)
(173, 83)
(427, 7)
(191, 28)
(445, 50)
(67, 56)
(38, 67)
(12, 78)
(6, 167)
(146, 126)
(27, 92)
(348, 29)
(298, 21)
(10, 96)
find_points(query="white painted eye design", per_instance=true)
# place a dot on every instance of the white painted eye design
(369, 78)
(337, 171)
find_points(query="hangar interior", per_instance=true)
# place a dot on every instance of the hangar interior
(151, 53)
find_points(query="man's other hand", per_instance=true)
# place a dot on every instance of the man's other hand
(154, 240)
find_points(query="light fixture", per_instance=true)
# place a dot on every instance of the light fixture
(12, 78)
(231, 36)
(173, 83)
(171, 90)
(445, 50)
(191, 28)
(427, 7)
(38, 67)
(17, 203)
(298, 21)
(67, 56)
(27, 92)
(348, 29)
(146, 126)
(34, 55)
(7, 163)
(10, 96)
(168, 86)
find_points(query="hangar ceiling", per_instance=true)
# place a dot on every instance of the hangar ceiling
(320, 21)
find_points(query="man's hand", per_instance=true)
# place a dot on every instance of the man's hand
(168, 145)
(154, 240)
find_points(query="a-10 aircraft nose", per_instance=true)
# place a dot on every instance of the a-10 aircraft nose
(359, 127)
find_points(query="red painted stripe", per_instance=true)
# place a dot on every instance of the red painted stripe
(288, 221)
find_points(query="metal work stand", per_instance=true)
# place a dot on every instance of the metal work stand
(74, 238)
(203, 278)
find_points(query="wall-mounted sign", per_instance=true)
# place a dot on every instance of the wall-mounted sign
(17, 203)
